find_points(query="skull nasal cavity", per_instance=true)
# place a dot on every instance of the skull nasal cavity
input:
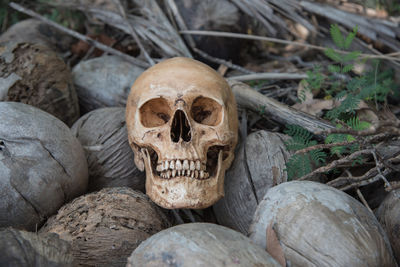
(180, 127)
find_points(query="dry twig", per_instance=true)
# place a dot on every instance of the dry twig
(133, 33)
(361, 197)
(281, 41)
(221, 61)
(336, 163)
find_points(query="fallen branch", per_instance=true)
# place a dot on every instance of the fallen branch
(79, 36)
(248, 98)
(269, 76)
(324, 146)
(336, 163)
(370, 140)
(281, 41)
(371, 176)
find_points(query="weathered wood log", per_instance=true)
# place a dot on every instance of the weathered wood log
(267, 107)
(106, 226)
(259, 164)
(33, 74)
(103, 135)
(199, 244)
(20, 248)
(318, 225)
(388, 215)
(42, 165)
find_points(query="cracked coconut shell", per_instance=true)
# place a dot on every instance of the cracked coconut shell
(318, 225)
(42, 166)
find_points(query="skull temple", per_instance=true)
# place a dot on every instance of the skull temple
(182, 126)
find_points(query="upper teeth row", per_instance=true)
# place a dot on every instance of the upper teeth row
(181, 165)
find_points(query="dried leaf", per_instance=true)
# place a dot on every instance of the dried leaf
(274, 246)
(315, 106)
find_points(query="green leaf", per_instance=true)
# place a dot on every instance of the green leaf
(337, 36)
(298, 165)
(334, 68)
(318, 156)
(356, 124)
(333, 55)
(350, 37)
(351, 56)
(347, 68)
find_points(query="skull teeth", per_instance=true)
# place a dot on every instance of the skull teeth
(181, 165)
(193, 174)
(189, 168)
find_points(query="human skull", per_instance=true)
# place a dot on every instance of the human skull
(182, 126)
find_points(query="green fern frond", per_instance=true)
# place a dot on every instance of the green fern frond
(358, 125)
(348, 106)
(351, 56)
(350, 37)
(297, 131)
(318, 156)
(297, 166)
(302, 164)
(337, 36)
(333, 55)
(334, 68)
(347, 68)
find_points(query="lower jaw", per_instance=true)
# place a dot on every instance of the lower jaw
(184, 192)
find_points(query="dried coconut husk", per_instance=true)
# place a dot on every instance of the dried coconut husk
(33, 74)
(106, 226)
(42, 166)
(388, 215)
(103, 134)
(318, 225)
(199, 244)
(259, 164)
(104, 82)
(21, 248)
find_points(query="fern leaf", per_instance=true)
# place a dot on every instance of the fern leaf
(337, 36)
(297, 166)
(351, 56)
(334, 68)
(357, 125)
(341, 94)
(350, 37)
(347, 68)
(333, 55)
(338, 150)
(318, 156)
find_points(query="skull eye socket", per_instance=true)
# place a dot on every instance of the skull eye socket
(155, 112)
(206, 111)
